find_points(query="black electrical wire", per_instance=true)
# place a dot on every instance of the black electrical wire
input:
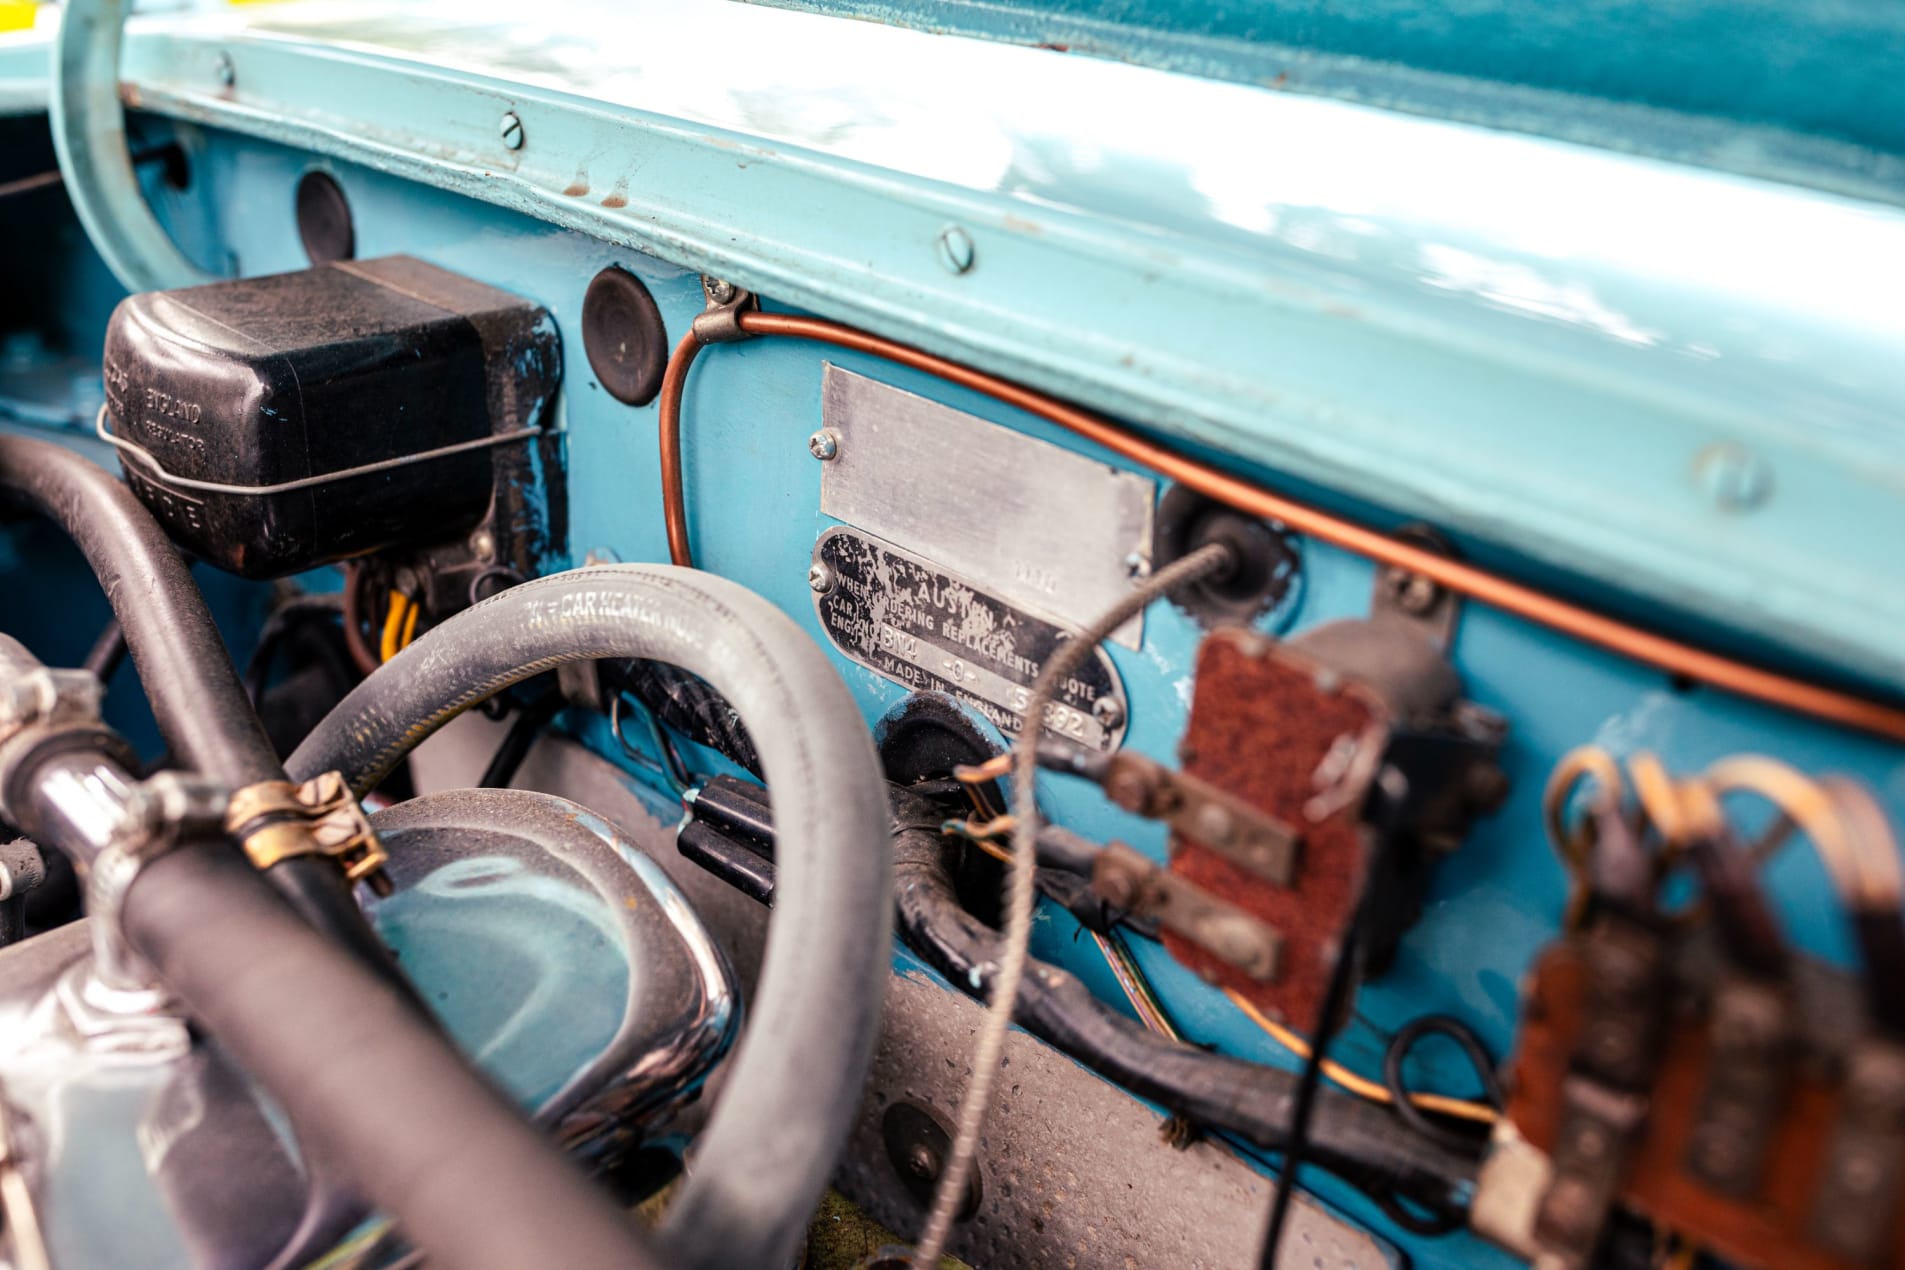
(279, 627)
(522, 734)
(1404, 1041)
(1310, 1079)
(1353, 1138)
(107, 653)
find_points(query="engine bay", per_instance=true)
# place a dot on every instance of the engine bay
(647, 658)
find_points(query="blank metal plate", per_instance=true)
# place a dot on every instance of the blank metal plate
(1046, 529)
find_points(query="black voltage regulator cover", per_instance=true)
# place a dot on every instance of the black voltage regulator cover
(258, 384)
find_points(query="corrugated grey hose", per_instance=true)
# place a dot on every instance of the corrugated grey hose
(770, 1146)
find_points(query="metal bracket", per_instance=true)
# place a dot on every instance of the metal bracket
(1125, 879)
(720, 322)
(48, 697)
(276, 820)
(1414, 600)
(1194, 808)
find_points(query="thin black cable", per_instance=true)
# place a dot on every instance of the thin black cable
(1465, 1038)
(522, 734)
(278, 628)
(1335, 998)
(108, 652)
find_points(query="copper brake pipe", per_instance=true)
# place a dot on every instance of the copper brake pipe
(1465, 579)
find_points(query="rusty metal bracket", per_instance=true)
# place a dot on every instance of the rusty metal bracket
(276, 820)
(1194, 808)
(1125, 879)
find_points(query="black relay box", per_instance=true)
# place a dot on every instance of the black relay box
(277, 423)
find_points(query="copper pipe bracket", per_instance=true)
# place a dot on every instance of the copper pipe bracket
(720, 322)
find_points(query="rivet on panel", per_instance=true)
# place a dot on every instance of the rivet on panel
(1734, 477)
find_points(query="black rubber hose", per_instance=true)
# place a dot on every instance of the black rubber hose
(371, 1086)
(200, 706)
(197, 699)
(795, 1081)
(1354, 1139)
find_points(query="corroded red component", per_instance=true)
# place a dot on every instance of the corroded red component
(1294, 740)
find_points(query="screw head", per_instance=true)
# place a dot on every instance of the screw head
(956, 251)
(511, 130)
(1137, 566)
(1414, 594)
(718, 290)
(483, 545)
(824, 445)
(226, 72)
(1109, 712)
(820, 578)
(922, 1162)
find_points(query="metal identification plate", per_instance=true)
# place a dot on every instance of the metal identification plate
(920, 626)
(1034, 523)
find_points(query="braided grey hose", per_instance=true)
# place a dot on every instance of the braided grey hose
(1019, 902)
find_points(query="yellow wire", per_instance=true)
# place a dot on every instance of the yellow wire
(410, 624)
(990, 770)
(1361, 1086)
(1583, 761)
(1864, 868)
(392, 641)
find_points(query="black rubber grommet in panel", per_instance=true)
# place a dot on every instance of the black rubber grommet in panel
(622, 334)
(324, 219)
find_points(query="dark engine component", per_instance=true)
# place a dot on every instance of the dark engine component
(277, 423)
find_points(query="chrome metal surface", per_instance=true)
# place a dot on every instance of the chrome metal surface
(559, 956)
(1040, 527)
(140, 1146)
(932, 630)
(592, 937)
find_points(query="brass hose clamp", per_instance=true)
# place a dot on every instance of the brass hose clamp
(276, 820)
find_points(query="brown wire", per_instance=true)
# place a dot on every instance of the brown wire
(1546, 610)
(361, 655)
